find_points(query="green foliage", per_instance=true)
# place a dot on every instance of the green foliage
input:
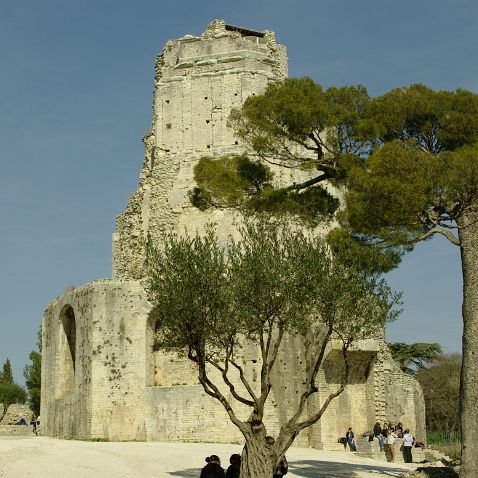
(275, 280)
(294, 124)
(226, 182)
(312, 205)
(6, 376)
(242, 183)
(298, 112)
(434, 120)
(32, 374)
(10, 393)
(448, 443)
(350, 248)
(201, 293)
(190, 303)
(440, 383)
(412, 357)
(424, 175)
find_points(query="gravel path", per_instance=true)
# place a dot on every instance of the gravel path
(23, 457)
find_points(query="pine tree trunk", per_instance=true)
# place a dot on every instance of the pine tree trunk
(256, 460)
(469, 372)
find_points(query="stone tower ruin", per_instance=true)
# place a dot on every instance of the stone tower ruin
(100, 376)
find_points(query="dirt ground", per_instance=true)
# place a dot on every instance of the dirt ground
(22, 457)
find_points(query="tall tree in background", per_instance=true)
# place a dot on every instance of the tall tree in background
(32, 374)
(412, 357)
(422, 181)
(409, 160)
(10, 392)
(274, 281)
(441, 388)
(6, 376)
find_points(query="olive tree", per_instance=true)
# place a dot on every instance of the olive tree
(210, 299)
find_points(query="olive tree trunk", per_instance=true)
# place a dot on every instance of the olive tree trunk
(257, 460)
(468, 232)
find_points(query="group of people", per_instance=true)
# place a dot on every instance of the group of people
(387, 436)
(34, 422)
(213, 468)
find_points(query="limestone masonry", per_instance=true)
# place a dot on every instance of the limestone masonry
(100, 377)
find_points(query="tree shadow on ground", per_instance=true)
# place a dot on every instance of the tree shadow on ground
(189, 473)
(317, 469)
(334, 469)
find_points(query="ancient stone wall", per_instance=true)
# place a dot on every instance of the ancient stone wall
(14, 412)
(100, 374)
(198, 82)
(95, 389)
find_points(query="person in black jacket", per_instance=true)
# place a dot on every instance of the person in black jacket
(213, 468)
(235, 467)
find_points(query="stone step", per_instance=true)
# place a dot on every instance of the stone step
(371, 449)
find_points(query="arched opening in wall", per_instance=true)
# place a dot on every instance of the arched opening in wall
(66, 352)
(166, 369)
(153, 377)
(352, 407)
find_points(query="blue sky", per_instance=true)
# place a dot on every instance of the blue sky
(76, 82)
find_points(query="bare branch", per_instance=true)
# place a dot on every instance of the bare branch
(444, 232)
(310, 182)
(245, 382)
(214, 392)
(232, 389)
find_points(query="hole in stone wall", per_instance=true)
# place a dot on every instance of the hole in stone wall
(236, 142)
(208, 121)
(168, 125)
(69, 327)
(235, 94)
(167, 102)
(66, 364)
(208, 146)
(205, 97)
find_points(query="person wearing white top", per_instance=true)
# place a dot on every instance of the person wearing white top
(408, 441)
(390, 441)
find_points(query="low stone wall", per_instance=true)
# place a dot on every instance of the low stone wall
(14, 412)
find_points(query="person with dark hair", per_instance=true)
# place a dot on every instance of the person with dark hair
(235, 466)
(377, 433)
(351, 439)
(213, 468)
(33, 423)
(408, 442)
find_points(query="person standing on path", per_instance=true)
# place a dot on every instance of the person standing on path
(351, 439)
(408, 441)
(377, 433)
(33, 423)
(390, 441)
